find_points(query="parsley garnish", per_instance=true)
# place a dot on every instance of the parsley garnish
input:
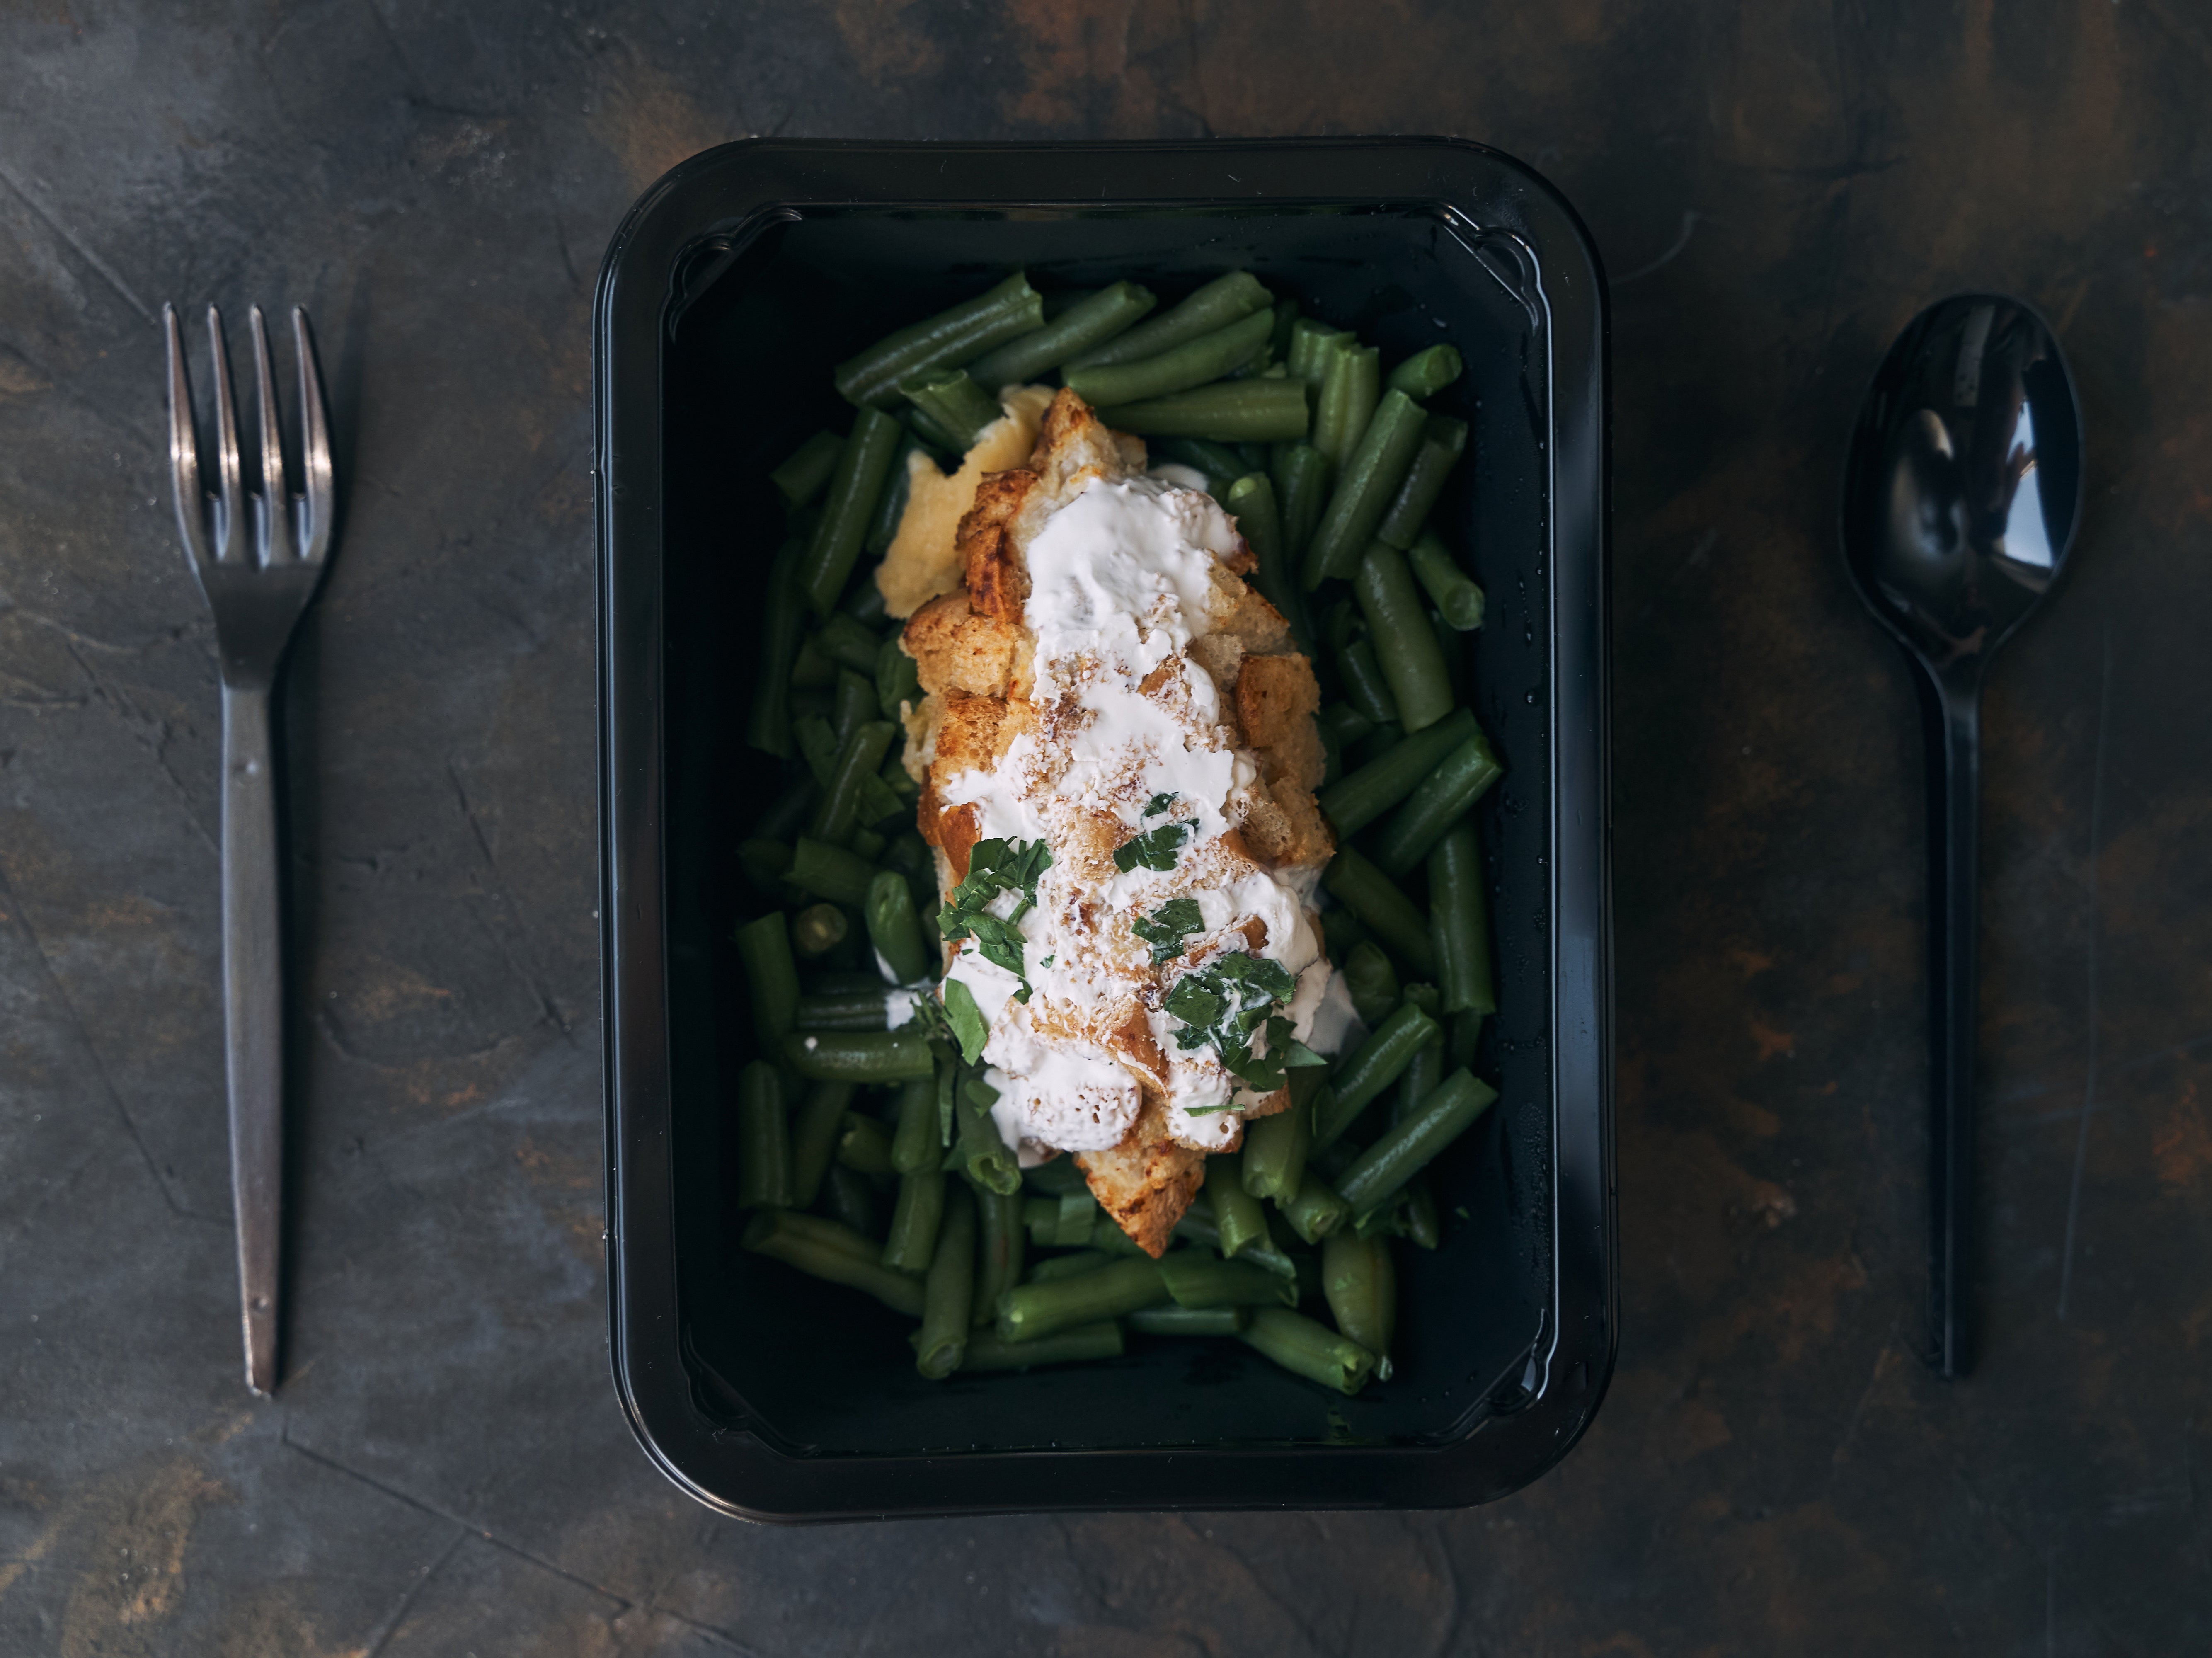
(1158, 805)
(970, 1027)
(1166, 927)
(996, 866)
(1222, 1005)
(1155, 849)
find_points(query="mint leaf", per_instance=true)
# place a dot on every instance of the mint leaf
(1166, 927)
(966, 1019)
(1155, 849)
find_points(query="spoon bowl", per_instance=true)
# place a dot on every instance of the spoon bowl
(1961, 494)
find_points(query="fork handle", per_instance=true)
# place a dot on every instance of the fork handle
(252, 1016)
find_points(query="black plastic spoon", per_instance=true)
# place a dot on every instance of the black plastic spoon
(1960, 499)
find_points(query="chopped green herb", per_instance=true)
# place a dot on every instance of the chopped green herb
(1225, 1003)
(968, 1025)
(996, 866)
(1155, 849)
(1166, 927)
(1158, 805)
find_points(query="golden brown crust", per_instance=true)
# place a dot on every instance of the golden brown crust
(1147, 1180)
(997, 580)
(955, 649)
(1277, 697)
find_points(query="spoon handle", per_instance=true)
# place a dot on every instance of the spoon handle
(1952, 712)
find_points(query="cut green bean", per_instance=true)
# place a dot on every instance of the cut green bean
(849, 642)
(857, 760)
(812, 669)
(1301, 474)
(861, 471)
(890, 512)
(924, 430)
(817, 746)
(1073, 1216)
(1251, 499)
(768, 721)
(1057, 1177)
(1213, 307)
(1368, 894)
(864, 1146)
(1421, 1075)
(1228, 411)
(830, 871)
(850, 1200)
(1221, 465)
(1354, 802)
(764, 1179)
(879, 801)
(1308, 1348)
(949, 1290)
(1106, 1234)
(894, 929)
(1371, 1067)
(1459, 918)
(1458, 600)
(802, 474)
(1275, 1150)
(1371, 981)
(899, 680)
(1409, 1144)
(856, 707)
(1463, 1029)
(1426, 372)
(1084, 1343)
(1000, 1251)
(951, 338)
(1369, 479)
(1366, 690)
(1446, 795)
(1071, 1265)
(1312, 341)
(1033, 1309)
(912, 1241)
(1361, 1284)
(1195, 362)
(1316, 1209)
(814, 1139)
(1424, 1228)
(952, 399)
(1443, 439)
(1198, 1278)
(1189, 1320)
(1352, 382)
(814, 1247)
(771, 978)
(1286, 319)
(1083, 326)
(1240, 1220)
(915, 1148)
(859, 1056)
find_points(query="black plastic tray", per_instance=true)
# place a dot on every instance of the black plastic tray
(732, 286)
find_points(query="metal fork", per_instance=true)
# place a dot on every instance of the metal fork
(259, 558)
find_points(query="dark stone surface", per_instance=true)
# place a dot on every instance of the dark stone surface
(1777, 187)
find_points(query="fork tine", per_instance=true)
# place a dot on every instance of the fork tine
(273, 529)
(315, 469)
(229, 521)
(184, 447)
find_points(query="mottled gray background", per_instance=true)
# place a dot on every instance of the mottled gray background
(1776, 188)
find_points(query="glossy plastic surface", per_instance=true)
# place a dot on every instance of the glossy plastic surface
(735, 282)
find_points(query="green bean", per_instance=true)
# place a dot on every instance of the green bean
(847, 642)
(865, 843)
(1106, 1234)
(1197, 1278)
(1377, 1063)
(801, 476)
(1059, 1266)
(814, 1138)
(812, 669)
(818, 746)
(1361, 1285)
(894, 929)
(1341, 723)
(1306, 1347)
(1426, 372)
(1189, 1320)
(1071, 1216)
(830, 872)
(864, 1146)
(1423, 1230)
(1031, 1310)
(860, 1056)
(914, 1149)
(1352, 381)
(1058, 1177)
(818, 929)
(856, 707)
(1286, 319)
(1312, 342)
(1252, 500)
(1197, 1224)
(985, 1352)
(951, 338)
(1301, 474)
(1443, 439)
(1215, 305)
(1446, 795)
(878, 800)
(949, 1291)
(851, 1201)
(771, 977)
(861, 471)
(1459, 601)
(1459, 918)
(1365, 689)
(1387, 912)
(1421, 1075)
(913, 1238)
(763, 1139)
(1409, 1144)
(1237, 1212)
(1371, 478)
(1195, 362)
(818, 1247)
(1275, 1150)
(999, 1251)
(952, 399)
(1315, 1210)
(930, 436)
(1463, 1029)
(1229, 411)
(1083, 326)
(890, 512)
(845, 1010)
(1371, 981)
(1354, 802)
(1221, 464)
(768, 721)
(898, 679)
(1377, 742)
